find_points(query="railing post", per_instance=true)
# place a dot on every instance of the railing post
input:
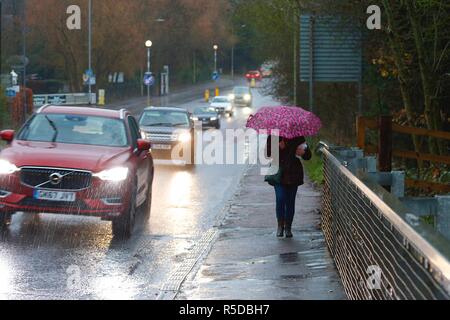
(443, 215)
(385, 144)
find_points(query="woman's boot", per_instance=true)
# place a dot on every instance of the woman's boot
(289, 230)
(280, 231)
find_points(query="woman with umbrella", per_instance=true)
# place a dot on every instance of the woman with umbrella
(291, 125)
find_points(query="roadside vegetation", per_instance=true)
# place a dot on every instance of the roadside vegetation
(406, 70)
(4, 114)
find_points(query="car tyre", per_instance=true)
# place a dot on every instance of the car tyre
(123, 226)
(147, 205)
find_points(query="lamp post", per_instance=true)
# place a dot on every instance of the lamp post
(90, 49)
(216, 47)
(148, 45)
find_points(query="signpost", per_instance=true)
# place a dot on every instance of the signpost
(149, 79)
(330, 51)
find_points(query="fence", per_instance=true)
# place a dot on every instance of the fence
(386, 151)
(381, 251)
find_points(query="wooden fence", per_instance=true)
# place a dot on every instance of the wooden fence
(386, 148)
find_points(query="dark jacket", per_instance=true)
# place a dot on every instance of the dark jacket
(290, 165)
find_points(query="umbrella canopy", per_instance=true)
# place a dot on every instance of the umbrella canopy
(290, 122)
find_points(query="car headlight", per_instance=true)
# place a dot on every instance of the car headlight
(7, 167)
(213, 118)
(184, 137)
(232, 96)
(115, 174)
(247, 97)
(195, 118)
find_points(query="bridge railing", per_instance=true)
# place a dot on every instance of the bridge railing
(381, 250)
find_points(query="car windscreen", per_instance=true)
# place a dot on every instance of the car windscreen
(75, 129)
(241, 90)
(205, 110)
(163, 118)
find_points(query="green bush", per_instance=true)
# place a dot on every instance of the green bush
(314, 169)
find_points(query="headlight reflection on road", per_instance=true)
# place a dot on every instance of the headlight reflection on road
(114, 288)
(247, 111)
(180, 190)
(6, 278)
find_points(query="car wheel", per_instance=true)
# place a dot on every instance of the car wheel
(147, 205)
(123, 226)
(218, 126)
(5, 220)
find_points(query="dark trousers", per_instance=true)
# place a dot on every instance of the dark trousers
(286, 196)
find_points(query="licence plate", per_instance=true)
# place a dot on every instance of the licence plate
(161, 147)
(54, 195)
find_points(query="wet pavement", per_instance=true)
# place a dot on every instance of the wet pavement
(249, 262)
(65, 257)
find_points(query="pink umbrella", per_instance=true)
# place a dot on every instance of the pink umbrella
(290, 122)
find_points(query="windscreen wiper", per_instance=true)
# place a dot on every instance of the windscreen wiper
(52, 124)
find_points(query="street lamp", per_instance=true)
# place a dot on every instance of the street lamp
(148, 45)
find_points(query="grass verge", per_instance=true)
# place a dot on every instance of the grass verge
(314, 169)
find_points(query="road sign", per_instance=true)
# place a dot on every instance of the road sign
(59, 99)
(149, 79)
(39, 101)
(215, 76)
(10, 93)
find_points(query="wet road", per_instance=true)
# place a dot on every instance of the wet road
(61, 257)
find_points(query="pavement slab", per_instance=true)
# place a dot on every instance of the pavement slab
(248, 261)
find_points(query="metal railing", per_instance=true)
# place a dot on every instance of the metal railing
(381, 251)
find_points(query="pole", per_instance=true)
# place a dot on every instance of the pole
(90, 48)
(148, 72)
(24, 40)
(385, 144)
(311, 65)
(232, 62)
(1, 16)
(215, 60)
(295, 61)
(232, 53)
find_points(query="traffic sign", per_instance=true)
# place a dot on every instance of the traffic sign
(149, 79)
(215, 76)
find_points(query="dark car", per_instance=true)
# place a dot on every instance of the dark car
(79, 161)
(208, 116)
(171, 132)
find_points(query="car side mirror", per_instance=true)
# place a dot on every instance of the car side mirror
(143, 145)
(7, 135)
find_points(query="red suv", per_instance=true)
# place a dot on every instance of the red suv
(77, 161)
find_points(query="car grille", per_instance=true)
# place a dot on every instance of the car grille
(70, 179)
(162, 137)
